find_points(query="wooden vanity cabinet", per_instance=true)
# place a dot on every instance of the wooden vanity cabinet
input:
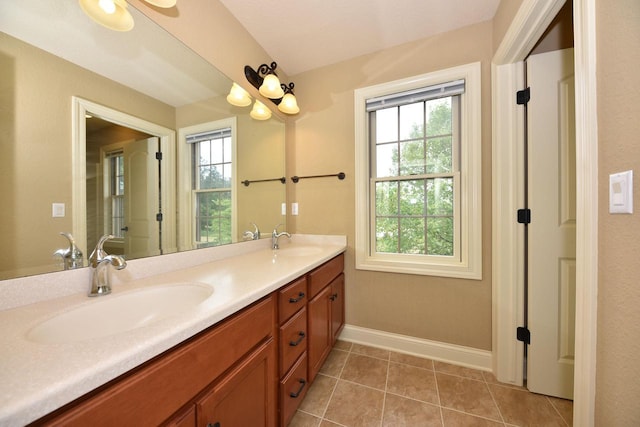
(252, 369)
(325, 311)
(292, 313)
(238, 352)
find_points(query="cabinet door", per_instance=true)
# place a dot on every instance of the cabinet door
(337, 307)
(319, 327)
(246, 395)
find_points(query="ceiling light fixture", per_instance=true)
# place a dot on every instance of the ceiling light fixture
(270, 87)
(113, 14)
(238, 96)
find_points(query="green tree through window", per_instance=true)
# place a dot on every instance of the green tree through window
(414, 182)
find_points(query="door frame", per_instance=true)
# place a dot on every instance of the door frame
(530, 22)
(80, 108)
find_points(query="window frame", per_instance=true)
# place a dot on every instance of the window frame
(469, 263)
(187, 222)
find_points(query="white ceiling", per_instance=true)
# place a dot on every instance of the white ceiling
(302, 35)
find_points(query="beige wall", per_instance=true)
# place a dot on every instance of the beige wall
(35, 164)
(618, 91)
(322, 142)
(502, 19)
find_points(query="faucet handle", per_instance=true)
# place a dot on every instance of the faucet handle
(275, 229)
(99, 253)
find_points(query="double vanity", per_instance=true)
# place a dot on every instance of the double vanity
(215, 337)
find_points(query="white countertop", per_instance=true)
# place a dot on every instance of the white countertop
(37, 378)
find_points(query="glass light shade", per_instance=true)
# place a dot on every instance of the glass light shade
(238, 96)
(289, 104)
(162, 3)
(119, 20)
(270, 87)
(260, 111)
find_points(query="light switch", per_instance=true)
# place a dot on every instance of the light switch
(621, 193)
(283, 209)
(294, 209)
(57, 210)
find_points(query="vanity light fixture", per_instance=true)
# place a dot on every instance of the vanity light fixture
(113, 14)
(266, 81)
(289, 104)
(238, 96)
(260, 111)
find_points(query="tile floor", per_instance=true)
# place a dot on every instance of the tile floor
(366, 386)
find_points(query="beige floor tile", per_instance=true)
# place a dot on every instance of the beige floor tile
(460, 371)
(564, 407)
(401, 412)
(525, 409)
(343, 345)
(412, 382)
(300, 419)
(370, 351)
(460, 419)
(334, 363)
(365, 370)
(467, 395)
(353, 405)
(407, 359)
(326, 423)
(491, 379)
(317, 398)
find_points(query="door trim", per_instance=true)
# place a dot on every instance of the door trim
(81, 107)
(529, 23)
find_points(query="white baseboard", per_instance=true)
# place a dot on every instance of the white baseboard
(449, 353)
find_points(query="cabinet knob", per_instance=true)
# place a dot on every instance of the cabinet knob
(302, 384)
(295, 300)
(333, 297)
(295, 343)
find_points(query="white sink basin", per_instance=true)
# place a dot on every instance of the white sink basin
(114, 314)
(299, 251)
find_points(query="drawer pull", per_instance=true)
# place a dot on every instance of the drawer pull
(213, 425)
(333, 297)
(302, 384)
(295, 300)
(295, 343)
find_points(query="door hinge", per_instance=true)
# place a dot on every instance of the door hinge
(159, 155)
(523, 334)
(523, 96)
(159, 217)
(524, 216)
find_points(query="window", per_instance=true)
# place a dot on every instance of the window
(115, 203)
(418, 164)
(212, 167)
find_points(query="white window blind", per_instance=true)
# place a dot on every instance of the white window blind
(416, 95)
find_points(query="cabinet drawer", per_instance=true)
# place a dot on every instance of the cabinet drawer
(292, 298)
(323, 275)
(293, 340)
(293, 388)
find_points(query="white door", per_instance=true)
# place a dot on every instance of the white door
(552, 231)
(142, 237)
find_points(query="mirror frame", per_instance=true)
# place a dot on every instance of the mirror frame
(80, 108)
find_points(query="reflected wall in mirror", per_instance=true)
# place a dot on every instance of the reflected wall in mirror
(40, 162)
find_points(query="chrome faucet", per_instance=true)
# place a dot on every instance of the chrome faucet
(72, 256)
(99, 262)
(252, 235)
(275, 236)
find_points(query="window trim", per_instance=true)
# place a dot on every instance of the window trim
(469, 266)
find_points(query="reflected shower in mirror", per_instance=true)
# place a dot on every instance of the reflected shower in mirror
(53, 58)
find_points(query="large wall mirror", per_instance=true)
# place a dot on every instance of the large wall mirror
(122, 133)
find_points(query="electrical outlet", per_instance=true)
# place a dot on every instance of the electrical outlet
(294, 208)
